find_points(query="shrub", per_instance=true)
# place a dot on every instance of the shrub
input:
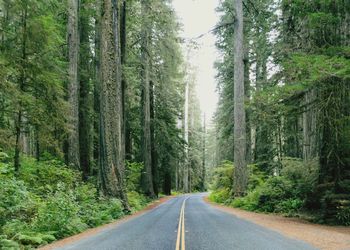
(133, 175)
(49, 201)
(289, 206)
(343, 215)
(16, 202)
(44, 177)
(59, 214)
(250, 202)
(137, 201)
(222, 176)
(6, 244)
(220, 195)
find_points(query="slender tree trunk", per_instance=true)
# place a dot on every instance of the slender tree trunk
(126, 135)
(186, 161)
(73, 83)
(96, 126)
(111, 171)
(147, 180)
(153, 143)
(22, 83)
(240, 173)
(37, 143)
(204, 155)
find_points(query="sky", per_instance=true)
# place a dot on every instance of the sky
(199, 17)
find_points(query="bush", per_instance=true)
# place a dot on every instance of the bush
(60, 214)
(137, 201)
(285, 194)
(343, 215)
(44, 177)
(49, 201)
(133, 175)
(222, 176)
(250, 202)
(16, 202)
(220, 195)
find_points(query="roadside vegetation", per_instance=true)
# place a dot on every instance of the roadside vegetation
(293, 192)
(48, 201)
(291, 151)
(91, 129)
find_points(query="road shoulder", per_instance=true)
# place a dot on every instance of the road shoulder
(320, 236)
(93, 231)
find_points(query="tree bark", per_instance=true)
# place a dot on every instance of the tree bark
(22, 83)
(73, 83)
(240, 173)
(147, 180)
(186, 162)
(111, 169)
(85, 103)
(155, 174)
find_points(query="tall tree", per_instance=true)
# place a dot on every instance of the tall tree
(147, 179)
(111, 165)
(85, 84)
(22, 81)
(240, 173)
(73, 83)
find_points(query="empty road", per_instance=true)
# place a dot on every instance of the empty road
(187, 222)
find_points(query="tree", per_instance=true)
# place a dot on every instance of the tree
(86, 78)
(147, 178)
(73, 82)
(240, 173)
(110, 163)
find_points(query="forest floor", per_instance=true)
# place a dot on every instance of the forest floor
(320, 236)
(94, 231)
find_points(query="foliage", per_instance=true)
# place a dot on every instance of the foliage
(287, 193)
(48, 201)
(297, 89)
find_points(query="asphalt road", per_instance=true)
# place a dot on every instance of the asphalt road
(187, 222)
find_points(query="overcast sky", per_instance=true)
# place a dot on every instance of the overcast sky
(198, 17)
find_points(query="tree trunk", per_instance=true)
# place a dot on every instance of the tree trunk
(22, 82)
(309, 127)
(126, 130)
(186, 163)
(73, 84)
(111, 170)
(85, 104)
(147, 180)
(204, 155)
(240, 173)
(96, 126)
(153, 144)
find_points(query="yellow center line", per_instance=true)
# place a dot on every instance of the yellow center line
(181, 228)
(178, 232)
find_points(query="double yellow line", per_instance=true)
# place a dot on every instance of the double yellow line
(180, 241)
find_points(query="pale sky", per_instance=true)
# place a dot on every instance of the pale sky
(198, 17)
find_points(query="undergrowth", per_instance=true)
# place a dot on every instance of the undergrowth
(291, 192)
(48, 201)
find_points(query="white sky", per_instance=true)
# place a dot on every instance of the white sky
(198, 17)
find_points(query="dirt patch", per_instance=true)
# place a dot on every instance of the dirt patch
(93, 231)
(320, 236)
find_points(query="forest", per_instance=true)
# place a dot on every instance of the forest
(99, 114)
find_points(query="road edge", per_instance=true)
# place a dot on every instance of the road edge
(327, 243)
(93, 231)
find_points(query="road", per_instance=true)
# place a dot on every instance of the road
(187, 222)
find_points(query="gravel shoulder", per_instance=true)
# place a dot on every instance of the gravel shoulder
(320, 236)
